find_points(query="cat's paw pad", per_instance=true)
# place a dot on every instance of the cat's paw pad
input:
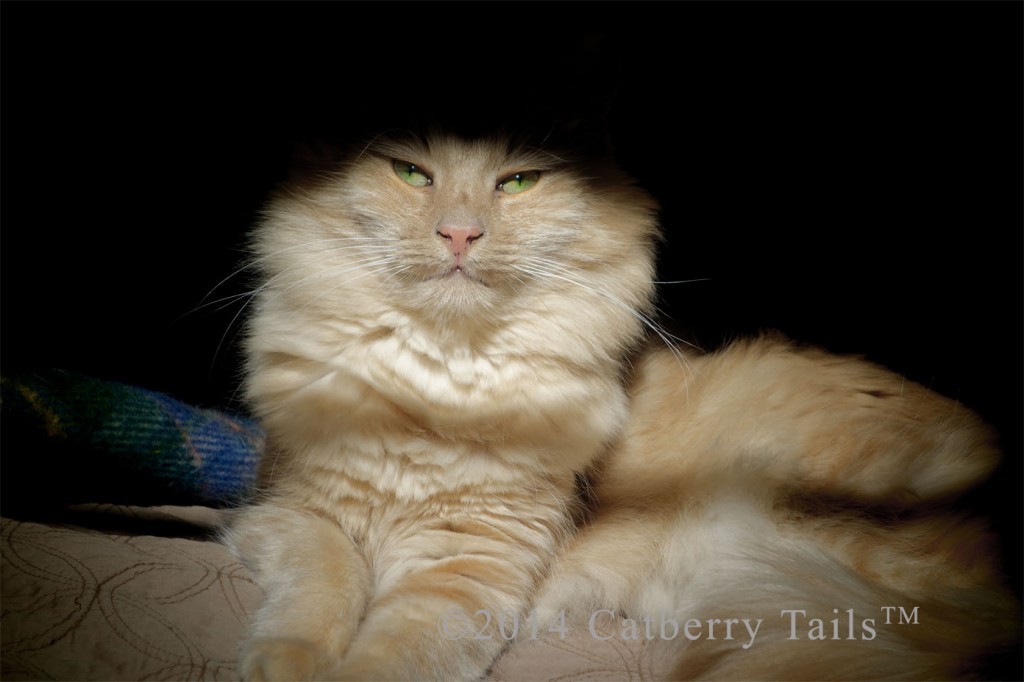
(281, 658)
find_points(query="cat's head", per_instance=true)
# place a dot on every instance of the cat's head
(464, 236)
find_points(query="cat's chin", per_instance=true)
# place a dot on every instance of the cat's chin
(455, 294)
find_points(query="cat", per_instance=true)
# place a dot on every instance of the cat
(449, 336)
(799, 502)
(437, 350)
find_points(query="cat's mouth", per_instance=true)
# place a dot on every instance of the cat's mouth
(459, 272)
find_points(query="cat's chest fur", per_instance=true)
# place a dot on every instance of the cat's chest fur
(456, 378)
(380, 399)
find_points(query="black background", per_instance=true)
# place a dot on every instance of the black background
(847, 173)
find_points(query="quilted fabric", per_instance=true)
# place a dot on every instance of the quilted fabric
(86, 605)
(130, 603)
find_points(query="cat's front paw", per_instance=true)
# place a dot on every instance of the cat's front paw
(567, 595)
(282, 658)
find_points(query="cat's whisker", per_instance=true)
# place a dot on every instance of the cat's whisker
(395, 272)
(329, 276)
(365, 268)
(684, 281)
(251, 295)
(671, 341)
(223, 303)
(666, 338)
(329, 272)
(256, 262)
(313, 277)
(232, 324)
(647, 320)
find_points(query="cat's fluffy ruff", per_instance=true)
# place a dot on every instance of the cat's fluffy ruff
(425, 425)
(427, 413)
(770, 478)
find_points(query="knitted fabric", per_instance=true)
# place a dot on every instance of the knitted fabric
(69, 438)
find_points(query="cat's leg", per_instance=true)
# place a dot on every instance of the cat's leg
(449, 604)
(316, 588)
(603, 565)
(804, 419)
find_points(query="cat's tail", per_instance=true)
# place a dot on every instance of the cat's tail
(855, 634)
(789, 607)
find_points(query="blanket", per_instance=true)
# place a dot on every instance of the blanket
(89, 440)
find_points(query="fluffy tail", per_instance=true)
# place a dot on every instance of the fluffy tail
(770, 605)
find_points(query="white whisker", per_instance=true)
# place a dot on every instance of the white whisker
(366, 244)
(255, 262)
(684, 281)
(543, 268)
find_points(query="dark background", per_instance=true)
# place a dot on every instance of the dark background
(847, 173)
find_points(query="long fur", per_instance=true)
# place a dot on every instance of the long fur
(426, 425)
(782, 486)
(429, 413)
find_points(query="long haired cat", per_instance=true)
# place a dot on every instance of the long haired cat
(438, 349)
(447, 334)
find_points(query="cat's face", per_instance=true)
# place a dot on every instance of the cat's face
(462, 233)
(464, 225)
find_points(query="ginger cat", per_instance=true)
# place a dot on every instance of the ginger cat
(800, 496)
(448, 333)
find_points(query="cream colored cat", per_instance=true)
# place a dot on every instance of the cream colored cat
(777, 513)
(444, 338)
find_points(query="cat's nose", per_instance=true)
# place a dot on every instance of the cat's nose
(459, 237)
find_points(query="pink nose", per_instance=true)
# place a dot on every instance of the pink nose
(459, 239)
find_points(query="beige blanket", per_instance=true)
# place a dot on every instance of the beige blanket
(124, 593)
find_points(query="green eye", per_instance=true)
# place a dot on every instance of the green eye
(411, 173)
(519, 182)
